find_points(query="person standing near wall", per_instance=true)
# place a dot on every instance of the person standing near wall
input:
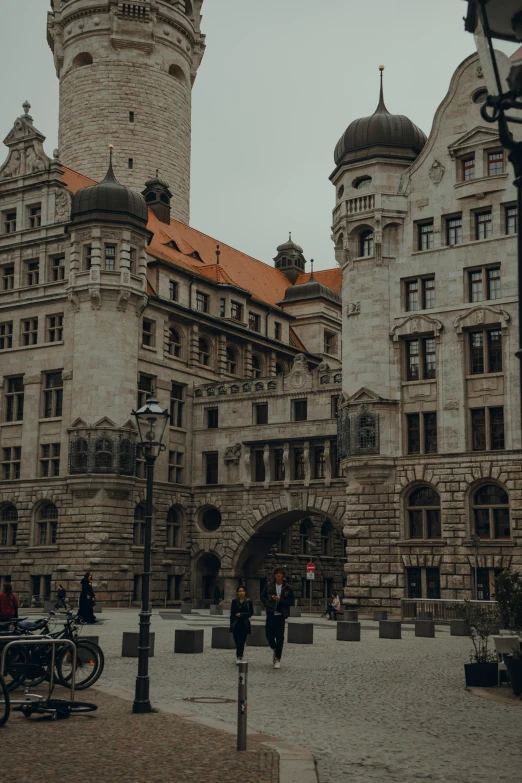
(277, 598)
(241, 610)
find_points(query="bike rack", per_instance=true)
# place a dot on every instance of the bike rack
(16, 641)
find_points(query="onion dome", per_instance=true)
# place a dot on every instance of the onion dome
(109, 202)
(312, 289)
(382, 135)
(290, 245)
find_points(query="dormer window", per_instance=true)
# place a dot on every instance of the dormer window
(366, 244)
(236, 311)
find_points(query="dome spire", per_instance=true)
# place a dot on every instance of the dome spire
(381, 108)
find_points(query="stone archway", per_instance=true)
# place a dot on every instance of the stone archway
(205, 578)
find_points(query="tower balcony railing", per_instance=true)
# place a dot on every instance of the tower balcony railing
(102, 451)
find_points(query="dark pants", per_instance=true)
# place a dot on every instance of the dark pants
(330, 611)
(240, 635)
(275, 632)
(62, 602)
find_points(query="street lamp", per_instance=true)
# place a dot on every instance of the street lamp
(151, 421)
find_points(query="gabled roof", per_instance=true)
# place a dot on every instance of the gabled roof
(331, 278)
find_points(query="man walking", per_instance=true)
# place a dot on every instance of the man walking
(277, 597)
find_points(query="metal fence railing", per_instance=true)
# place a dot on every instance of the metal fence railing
(438, 609)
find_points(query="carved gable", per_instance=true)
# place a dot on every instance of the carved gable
(415, 324)
(481, 315)
(26, 153)
(473, 139)
(363, 396)
(104, 422)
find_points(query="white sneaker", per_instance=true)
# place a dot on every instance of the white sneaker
(274, 659)
(238, 661)
(277, 664)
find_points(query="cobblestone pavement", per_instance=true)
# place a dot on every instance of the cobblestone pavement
(379, 710)
(112, 745)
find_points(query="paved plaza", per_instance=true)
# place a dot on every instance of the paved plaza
(378, 710)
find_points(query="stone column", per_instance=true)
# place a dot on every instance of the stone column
(306, 457)
(271, 363)
(222, 354)
(266, 462)
(286, 462)
(327, 460)
(193, 344)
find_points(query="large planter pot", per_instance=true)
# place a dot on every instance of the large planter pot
(514, 667)
(481, 675)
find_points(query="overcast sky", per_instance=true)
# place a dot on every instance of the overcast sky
(279, 83)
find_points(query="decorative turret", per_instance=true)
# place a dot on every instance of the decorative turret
(290, 259)
(158, 196)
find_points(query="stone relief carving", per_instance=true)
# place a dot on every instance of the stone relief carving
(479, 315)
(353, 308)
(62, 207)
(436, 172)
(413, 324)
(110, 235)
(233, 453)
(34, 162)
(95, 297)
(12, 166)
(25, 144)
(74, 301)
(451, 405)
(123, 300)
(141, 304)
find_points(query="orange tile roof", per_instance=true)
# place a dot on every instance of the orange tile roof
(297, 341)
(197, 253)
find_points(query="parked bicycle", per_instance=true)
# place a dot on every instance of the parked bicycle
(5, 703)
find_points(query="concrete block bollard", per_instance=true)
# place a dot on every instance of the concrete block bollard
(95, 639)
(186, 608)
(215, 609)
(459, 628)
(129, 647)
(258, 637)
(425, 628)
(380, 614)
(390, 629)
(169, 615)
(300, 633)
(295, 611)
(350, 615)
(257, 610)
(348, 631)
(188, 641)
(222, 639)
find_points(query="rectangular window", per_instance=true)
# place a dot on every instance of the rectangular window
(130, 163)
(279, 465)
(176, 467)
(201, 302)
(8, 537)
(433, 583)
(485, 351)
(496, 426)
(49, 460)
(222, 308)
(428, 292)
(299, 465)
(110, 258)
(511, 220)
(53, 395)
(277, 330)
(11, 458)
(334, 406)
(132, 260)
(174, 587)
(87, 257)
(32, 272)
(413, 426)
(54, 328)
(420, 359)
(329, 343)
(177, 404)
(468, 168)
(478, 429)
(236, 311)
(319, 462)
(261, 413)
(212, 418)
(493, 282)
(9, 222)
(6, 335)
(412, 295)
(425, 237)
(210, 459)
(483, 225)
(494, 350)
(430, 433)
(173, 290)
(145, 389)
(14, 399)
(148, 333)
(485, 437)
(259, 465)
(412, 360)
(495, 163)
(420, 294)
(7, 278)
(414, 582)
(454, 230)
(476, 341)
(35, 216)
(131, 116)
(428, 348)
(30, 331)
(300, 410)
(254, 322)
(57, 268)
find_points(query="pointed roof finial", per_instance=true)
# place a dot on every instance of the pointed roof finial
(26, 106)
(289, 236)
(110, 171)
(381, 108)
(218, 253)
(311, 278)
(157, 173)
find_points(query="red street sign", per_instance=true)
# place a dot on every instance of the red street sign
(310, 568)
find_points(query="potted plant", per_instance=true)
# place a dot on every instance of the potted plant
(482, 671)
(508, 592)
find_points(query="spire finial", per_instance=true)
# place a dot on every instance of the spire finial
(381, 107)
(311, 278)
(26, 106)
(289, 236)
(218, 253)
(157, 173)
(110, 171)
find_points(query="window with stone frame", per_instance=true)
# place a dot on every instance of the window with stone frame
(231, 357)
(7, 277)
(319, 462)
(259, 465)
(49, 460)
(46, 525)
(222, 307)
(327, 539)
(419, 293)
(212, 416)
(57, 268)
(202, 302)
(204, 352)
(177, 405)
(210, 463)
(173, 290)
(305, 536)
(52, 395)
(257, 366)
(261, 413)
(279, 465)
(299, 410)
(87, 257)
(8, 526)
(9, 221)
(176, 466)
(483, 224)
(148, 333)
(11, 458)
(32, 272)
(420, 359)
(30, 331)
(35, 216)
(425, 235)
(254, 322)
(278, 329)
(175, 344)
(467, 168)
(298, 463)
(423, 583)
(145, 389)
(14, 398)
(329, 343)
(109, 258)
(133, 260)
(421, 433)
(54, 328)
(484, 283)
(495, 163)
(236, 311)
(487, 429)
(334, 459)
(138, 528)
(6, 335)
(490, 512)
(454, 230)
(174, 528)
(366, 244)
(334, 406)
(511, 216)
(485, 351)
(423, 513)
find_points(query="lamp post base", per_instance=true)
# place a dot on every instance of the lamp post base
(142, 707)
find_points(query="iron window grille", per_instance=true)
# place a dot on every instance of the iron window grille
(357, 432)
(100, 452)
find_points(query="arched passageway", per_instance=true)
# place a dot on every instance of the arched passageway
(206, 577)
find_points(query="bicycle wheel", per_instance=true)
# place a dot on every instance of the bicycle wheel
(5, 704)
(14, 667)
(89, 665)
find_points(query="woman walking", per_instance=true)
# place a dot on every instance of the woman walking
(87, 600)
(241, 611)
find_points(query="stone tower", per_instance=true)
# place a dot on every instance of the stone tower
(126, 72)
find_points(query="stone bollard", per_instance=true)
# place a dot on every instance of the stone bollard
(169, 615)
(257, 610)
(215, 609)
(295, 611)
(425, 628)
(351, 615)
(188, 641)
(300, 633)
(459, 628)
(222, 638)
(258, 637)
(129, 647)
(186, 608)
(390, 629)
(348, 631)
(380, 614)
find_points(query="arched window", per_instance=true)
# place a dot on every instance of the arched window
(257, 366)
(366, 243)
(177, 72)
(8, 526)
(174, 342)
(423, 508)
(203, 351)
(82, 59)
(304, 537)
(127, 456)
(46, 525)
(231, 360)
(280, 368)
(490, 509)
(366, 430)
(139, 525)
(103, 455)
(362, 182)
(150, 197)
(188, 9)
(327, 536)
(174, 528)
(80, 455)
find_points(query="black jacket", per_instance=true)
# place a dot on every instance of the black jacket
(283, 605)
(245, 609)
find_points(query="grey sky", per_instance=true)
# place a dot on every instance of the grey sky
(279, 83)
